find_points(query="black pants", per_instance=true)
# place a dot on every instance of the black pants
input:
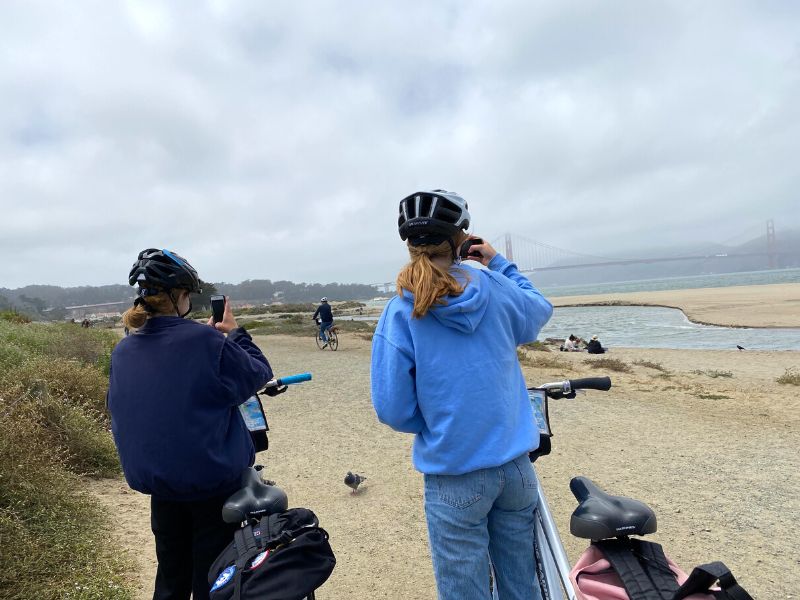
(189, 536)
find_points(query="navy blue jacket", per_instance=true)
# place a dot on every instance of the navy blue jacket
(173, 396)
(325, 313)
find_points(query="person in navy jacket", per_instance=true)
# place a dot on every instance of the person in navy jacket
(174, 391)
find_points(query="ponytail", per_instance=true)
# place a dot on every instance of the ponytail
(427, 280)
(145, 307)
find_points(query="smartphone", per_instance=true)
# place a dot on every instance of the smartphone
(464, 251)
(217, 308)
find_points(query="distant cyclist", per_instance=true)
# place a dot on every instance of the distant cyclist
(325, 314)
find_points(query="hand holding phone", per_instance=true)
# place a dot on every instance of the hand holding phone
(217, 308)
(466, 251)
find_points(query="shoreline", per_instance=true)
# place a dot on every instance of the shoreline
(688, 317)
(770, 306)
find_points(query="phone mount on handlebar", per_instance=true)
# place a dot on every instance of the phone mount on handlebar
(273, 390)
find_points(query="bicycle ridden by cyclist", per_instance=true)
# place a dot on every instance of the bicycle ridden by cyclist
(173, 393)
(445, 368)
(325, 314)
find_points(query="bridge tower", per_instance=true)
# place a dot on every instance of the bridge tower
(771, 249)
(509, 248)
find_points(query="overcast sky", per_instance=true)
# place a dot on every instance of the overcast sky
(273, 140)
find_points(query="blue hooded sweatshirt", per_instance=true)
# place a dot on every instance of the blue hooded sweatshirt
(453, 378)
(173, 395)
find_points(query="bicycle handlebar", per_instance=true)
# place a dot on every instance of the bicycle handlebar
(591, 383)
(568, 387)
(289, 380)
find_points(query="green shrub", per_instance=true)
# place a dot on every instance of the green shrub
(790, 377)
(54, 540)
(300, 326)
(291, 308)
(13, 316)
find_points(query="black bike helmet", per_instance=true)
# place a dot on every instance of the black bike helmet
(431, 217)
(165, 270)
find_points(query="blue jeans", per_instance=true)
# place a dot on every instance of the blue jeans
(480, 515)
(322, 328)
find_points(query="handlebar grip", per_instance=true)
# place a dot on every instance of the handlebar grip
(299, 378)
(591, 383)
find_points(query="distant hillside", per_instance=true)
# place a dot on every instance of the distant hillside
(50, 302)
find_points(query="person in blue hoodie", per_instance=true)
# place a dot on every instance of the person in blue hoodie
(445, 368)
(174, 390)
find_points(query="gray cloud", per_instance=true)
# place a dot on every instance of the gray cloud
(273, 140)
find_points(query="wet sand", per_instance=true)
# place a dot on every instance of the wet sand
(716, 456)
(775, 305)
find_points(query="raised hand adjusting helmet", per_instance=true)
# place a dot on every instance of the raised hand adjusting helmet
(431, 217)
(164, 270)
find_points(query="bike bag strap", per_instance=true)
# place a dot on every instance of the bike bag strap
(248, 548)
(704, 576)
(642, 567)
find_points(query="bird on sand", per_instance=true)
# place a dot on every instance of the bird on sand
(739, 347)
(353, 480)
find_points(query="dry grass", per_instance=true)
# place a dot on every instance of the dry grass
(651, 365)
(55, 542)
(790, 377)
(541, 360)
(713, 373)
(609, 364)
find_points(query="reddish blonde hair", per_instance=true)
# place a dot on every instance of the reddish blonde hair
(160, 304)
(428, 281)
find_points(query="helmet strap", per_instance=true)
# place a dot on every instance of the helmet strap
(175, 305)
(453, 249)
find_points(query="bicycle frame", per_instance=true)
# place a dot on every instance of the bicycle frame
(552, 564)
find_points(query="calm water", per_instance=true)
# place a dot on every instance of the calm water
(656, 327)
(676, 283)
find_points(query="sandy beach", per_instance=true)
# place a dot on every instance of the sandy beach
(708, 438)
(775, 305)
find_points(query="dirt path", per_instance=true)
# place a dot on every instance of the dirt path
(716, 456)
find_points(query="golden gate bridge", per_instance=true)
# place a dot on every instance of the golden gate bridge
(533, 256)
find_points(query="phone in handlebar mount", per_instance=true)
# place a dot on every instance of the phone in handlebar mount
(253, 412)
(556, 390)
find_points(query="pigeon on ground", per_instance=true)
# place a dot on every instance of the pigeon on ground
(353, 480)
(739, 347)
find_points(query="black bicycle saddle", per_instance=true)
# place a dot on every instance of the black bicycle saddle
(256, 499)
(600, 516)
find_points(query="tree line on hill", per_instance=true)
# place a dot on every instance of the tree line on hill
(50, 302)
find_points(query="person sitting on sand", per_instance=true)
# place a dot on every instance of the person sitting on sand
(570, 344)
(594, 346)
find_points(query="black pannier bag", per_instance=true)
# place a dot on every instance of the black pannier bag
(285, 556)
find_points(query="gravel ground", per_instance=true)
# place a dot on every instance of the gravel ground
(716, 456)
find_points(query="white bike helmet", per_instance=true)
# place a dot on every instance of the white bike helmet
(323, 299)
(431, 217)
